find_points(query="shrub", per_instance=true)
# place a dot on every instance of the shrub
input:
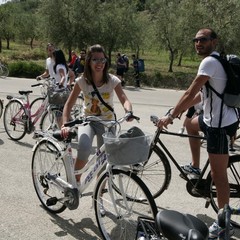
(25, 69)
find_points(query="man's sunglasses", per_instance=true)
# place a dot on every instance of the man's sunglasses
(202, 39)
(99, 60)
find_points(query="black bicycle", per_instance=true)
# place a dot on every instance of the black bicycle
(158, 170)
(173, 225)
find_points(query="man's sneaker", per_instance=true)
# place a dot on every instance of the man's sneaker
(101, 208)
(193, 172)
(215, 231)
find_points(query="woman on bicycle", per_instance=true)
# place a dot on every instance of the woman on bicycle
(95, 73)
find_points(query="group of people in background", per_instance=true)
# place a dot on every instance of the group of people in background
(122, 65)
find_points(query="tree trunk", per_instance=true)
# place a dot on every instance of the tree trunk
(171, 60)
(31, 42)
(0, 44)
(180, 60)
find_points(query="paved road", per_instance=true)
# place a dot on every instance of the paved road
(22, 217)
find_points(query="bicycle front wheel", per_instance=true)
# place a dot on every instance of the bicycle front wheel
(4, 72)
(15, 120)
(36, 104)
(46, 161)
(233, 173)
(116, 214)
(156, 172)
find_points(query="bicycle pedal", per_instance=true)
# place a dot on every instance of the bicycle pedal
(51, 201)
(183, 177)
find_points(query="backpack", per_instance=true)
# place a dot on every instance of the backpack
(231, 93)
(126, 61)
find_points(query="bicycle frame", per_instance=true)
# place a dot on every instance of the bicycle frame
(92, 168)
(157, 140)
(26, 105)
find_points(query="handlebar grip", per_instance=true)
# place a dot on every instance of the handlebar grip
(135, 117)
(73, 122)
(36, 85)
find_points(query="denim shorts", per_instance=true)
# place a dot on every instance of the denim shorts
(217, 138)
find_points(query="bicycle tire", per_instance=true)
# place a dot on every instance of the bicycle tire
(50, 120)
(15, 120)
(46, 160)
(1, 108)
(123, 225)
(156, 170)
(233, 172)
(35, 105)
(4, 72)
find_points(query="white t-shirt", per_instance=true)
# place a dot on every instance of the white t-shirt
(92, 105)
(57, 75)
(49, 66)
(211, 102)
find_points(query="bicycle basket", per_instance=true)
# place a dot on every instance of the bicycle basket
(128, 147)
(58, 96)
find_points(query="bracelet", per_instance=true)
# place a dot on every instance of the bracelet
(170, 116)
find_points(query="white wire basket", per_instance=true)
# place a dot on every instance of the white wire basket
(122, 150)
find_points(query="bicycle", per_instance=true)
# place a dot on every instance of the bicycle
(115, 191)
(19, 120)
(1, 107)
(173, 225)
(4, 72)
(158, 169)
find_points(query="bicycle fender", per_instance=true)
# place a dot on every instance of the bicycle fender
(48, 140)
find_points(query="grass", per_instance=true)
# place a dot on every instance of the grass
(156, 65)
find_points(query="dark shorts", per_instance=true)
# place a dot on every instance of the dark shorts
(120, 71)
(217, 140)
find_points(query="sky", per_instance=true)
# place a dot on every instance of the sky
(3, 1)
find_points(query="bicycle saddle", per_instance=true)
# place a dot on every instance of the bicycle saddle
(177, 226)
(24, 92)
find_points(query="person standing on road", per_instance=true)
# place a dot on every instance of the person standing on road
(121, 65)
(95, 72)
(136, 71)
(49, 63)
(215, 126)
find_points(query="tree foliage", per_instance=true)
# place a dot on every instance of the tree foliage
(117, 25)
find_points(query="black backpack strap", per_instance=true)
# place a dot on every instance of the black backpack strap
(101, 99)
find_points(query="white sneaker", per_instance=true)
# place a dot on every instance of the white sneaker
(215, 231)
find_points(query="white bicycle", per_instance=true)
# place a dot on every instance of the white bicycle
(119, 198)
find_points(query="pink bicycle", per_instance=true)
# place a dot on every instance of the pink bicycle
(20, 117)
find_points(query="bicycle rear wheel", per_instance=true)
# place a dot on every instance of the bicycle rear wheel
(46, 161)
(15, 120)
(4, 72)
(156, 172)
(233, 172)
(51, 120)
(116, 214)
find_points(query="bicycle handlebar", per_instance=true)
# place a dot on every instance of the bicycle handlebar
(107, 123)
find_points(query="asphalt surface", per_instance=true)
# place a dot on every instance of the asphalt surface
(21, 215)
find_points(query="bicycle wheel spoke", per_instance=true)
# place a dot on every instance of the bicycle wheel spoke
(15, 120)
(117, 215)
(46, 162)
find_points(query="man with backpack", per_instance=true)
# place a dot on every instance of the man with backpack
(218, 121)
(121, 66)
